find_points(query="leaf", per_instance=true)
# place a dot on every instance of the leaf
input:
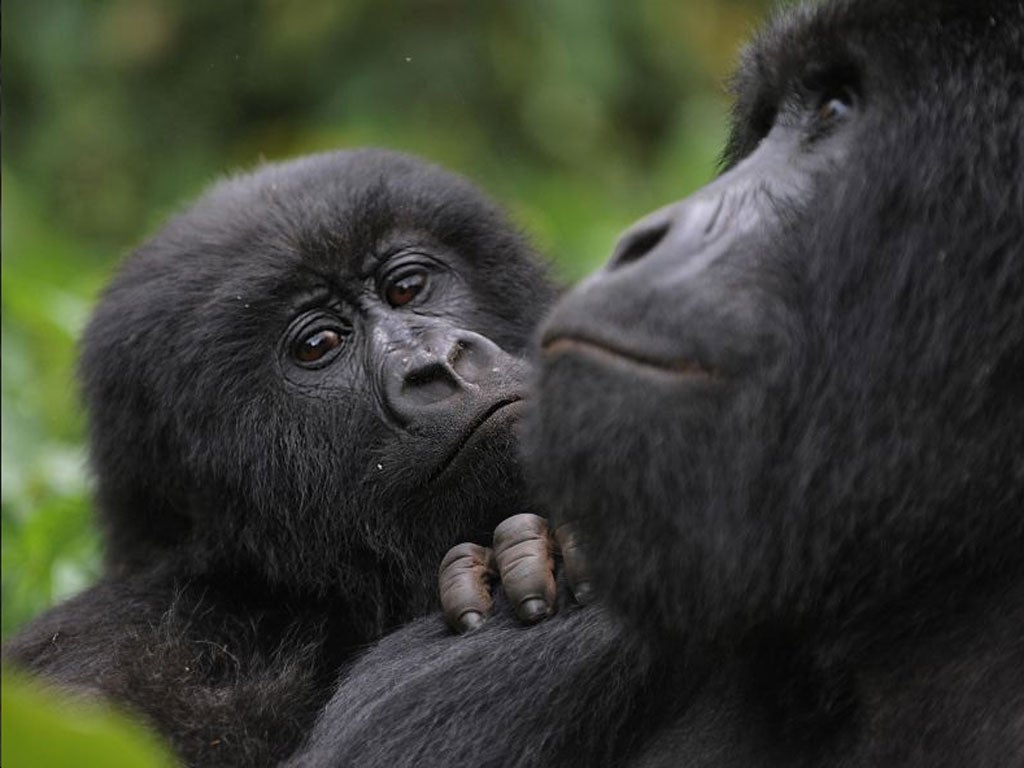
(42, 727)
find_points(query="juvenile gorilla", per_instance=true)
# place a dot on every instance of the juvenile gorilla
(300, 394)
(793, 405)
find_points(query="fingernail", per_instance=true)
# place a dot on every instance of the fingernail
(470, 620)
(584, 592)
(533, 609)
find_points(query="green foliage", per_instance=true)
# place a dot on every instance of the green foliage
(42, 727)
(579, 116)
(49, 549)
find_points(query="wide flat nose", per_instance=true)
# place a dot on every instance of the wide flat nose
(738, 205)
(702, 223)
(439, 371)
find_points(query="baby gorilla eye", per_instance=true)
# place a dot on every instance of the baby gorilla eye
(315, 346)
(835, 106)
(404, 289)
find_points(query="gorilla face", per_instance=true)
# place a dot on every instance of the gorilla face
(782, 394)
(313, 373)
(395, 326)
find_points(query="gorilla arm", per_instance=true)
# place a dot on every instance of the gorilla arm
(560, 693)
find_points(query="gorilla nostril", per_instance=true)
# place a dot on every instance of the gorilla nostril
(428, 384)
(423, 376)
(475, 360)
(456, 352)
(635, 245)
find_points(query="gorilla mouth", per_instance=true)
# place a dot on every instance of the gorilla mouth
(683, 368)
(500, 410)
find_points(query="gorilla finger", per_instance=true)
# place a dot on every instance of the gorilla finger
(523, 553)
(465, 579)
(577, 570)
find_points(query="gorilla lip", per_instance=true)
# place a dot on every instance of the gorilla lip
(683, 368)
(482, 418)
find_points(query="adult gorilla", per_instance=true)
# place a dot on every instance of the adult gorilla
(300, 395)
(792, 406)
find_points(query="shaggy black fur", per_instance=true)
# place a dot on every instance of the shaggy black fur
(267, 515)
(788, 419)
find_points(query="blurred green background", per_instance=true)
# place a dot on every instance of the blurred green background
(578, 115)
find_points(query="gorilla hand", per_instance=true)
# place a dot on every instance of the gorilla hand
(525, 559)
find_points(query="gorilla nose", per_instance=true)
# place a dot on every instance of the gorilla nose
(694, 231)
(439, 372)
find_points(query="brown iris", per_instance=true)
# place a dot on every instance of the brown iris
(405, 289)
(314, 346)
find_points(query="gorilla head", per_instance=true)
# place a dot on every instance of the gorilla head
(794, 399)
(310, 376)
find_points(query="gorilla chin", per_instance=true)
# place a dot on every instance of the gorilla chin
(479, 481)
(481, 438)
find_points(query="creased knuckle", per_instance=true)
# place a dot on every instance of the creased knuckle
(521, 527)
(463, 556)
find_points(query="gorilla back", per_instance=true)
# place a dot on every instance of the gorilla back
(301, 392)
(788, 421)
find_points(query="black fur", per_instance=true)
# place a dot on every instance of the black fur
(788, 419)
(265, 519)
